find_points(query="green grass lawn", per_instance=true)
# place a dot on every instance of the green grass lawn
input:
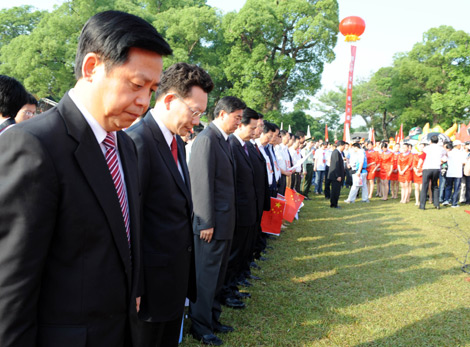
(378, 274)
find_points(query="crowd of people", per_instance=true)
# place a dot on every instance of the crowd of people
(110, 221)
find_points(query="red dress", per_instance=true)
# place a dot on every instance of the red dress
(386, 162)
(405, 159)
(416, 158)
(394, 175)
(372, 158)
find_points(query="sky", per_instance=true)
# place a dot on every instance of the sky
(392, 26)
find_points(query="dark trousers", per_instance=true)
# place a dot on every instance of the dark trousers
(335, 192)
(156, 334)
(211, 266)
(466, 179)
(282, 185)
(295, 182)
(430, 176)
(239, 256)
(327, 183)
(307, 181)
(452, 184)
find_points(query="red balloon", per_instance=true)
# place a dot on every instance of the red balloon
(352, 27)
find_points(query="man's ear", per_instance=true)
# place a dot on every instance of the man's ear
(90, 63)
(167, 99)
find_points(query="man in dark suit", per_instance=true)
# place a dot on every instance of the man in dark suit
(12, 98)
(213, 188)
(167, 237)
(336, 173)
(246, 204)
(263, 200)
(69, 223)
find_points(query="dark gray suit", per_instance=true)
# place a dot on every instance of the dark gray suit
(67, 277)
(213, 190)
(167, 236)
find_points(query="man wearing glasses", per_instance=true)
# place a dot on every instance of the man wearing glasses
(167, 234)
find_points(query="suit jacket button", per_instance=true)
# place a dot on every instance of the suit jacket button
(190, 249)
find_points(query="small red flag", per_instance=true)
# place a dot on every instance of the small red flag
(467, 211)
(326, 132)
(271, 221)
(293, 202)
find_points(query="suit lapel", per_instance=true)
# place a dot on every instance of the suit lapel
(166, 154)
(92, 162)
(223, 143)
(242, 152)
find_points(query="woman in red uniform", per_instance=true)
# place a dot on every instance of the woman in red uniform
(372, 165)
(394, 175)
(418, 161)
(405, 166)
(386, 166)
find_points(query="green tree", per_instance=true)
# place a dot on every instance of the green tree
(278, 49)
(17, 21)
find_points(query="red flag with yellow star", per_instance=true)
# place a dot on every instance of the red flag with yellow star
(272, 219)
(293, 202)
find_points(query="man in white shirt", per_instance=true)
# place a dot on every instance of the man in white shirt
(435, 156)
(455, 160)
(283, 160)
(296, 157)
(319, 167)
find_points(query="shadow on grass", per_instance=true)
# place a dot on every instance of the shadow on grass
(449, 328)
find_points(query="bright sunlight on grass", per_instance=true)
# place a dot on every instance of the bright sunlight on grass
(378, 274)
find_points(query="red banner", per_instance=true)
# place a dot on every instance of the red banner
(293, 202)
(272, 220)
(347, 119)
(326, 132)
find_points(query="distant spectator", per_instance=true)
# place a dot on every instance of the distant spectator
(28, 110)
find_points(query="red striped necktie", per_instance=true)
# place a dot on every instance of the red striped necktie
(113, 164)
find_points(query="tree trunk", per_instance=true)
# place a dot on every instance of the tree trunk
(384, 125)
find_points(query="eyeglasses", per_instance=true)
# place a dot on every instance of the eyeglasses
(196, 114)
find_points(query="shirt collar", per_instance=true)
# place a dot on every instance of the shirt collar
(239, 139)
(98, 131)
(165, 131)
(220, 129)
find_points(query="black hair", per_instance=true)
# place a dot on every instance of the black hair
(261, 116)
(248, 115)
(449, 145)
(31, 100)
(340, 143)
(13, 96)
(356, 144)
(268, 127)
(111, 34)
(228, 104)
(283, 133)
(181, 77)
(300, 133)
(384, 145)
(434, 139)
(276, 127)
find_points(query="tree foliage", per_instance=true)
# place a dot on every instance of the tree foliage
(271, 51)
(431, 83)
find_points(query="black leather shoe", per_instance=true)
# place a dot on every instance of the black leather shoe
(234, 303)
(263, 258)
(209, 339)
(242, 295)
(222, 329)
(244, 283)
(253, 277)
(254, 265)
